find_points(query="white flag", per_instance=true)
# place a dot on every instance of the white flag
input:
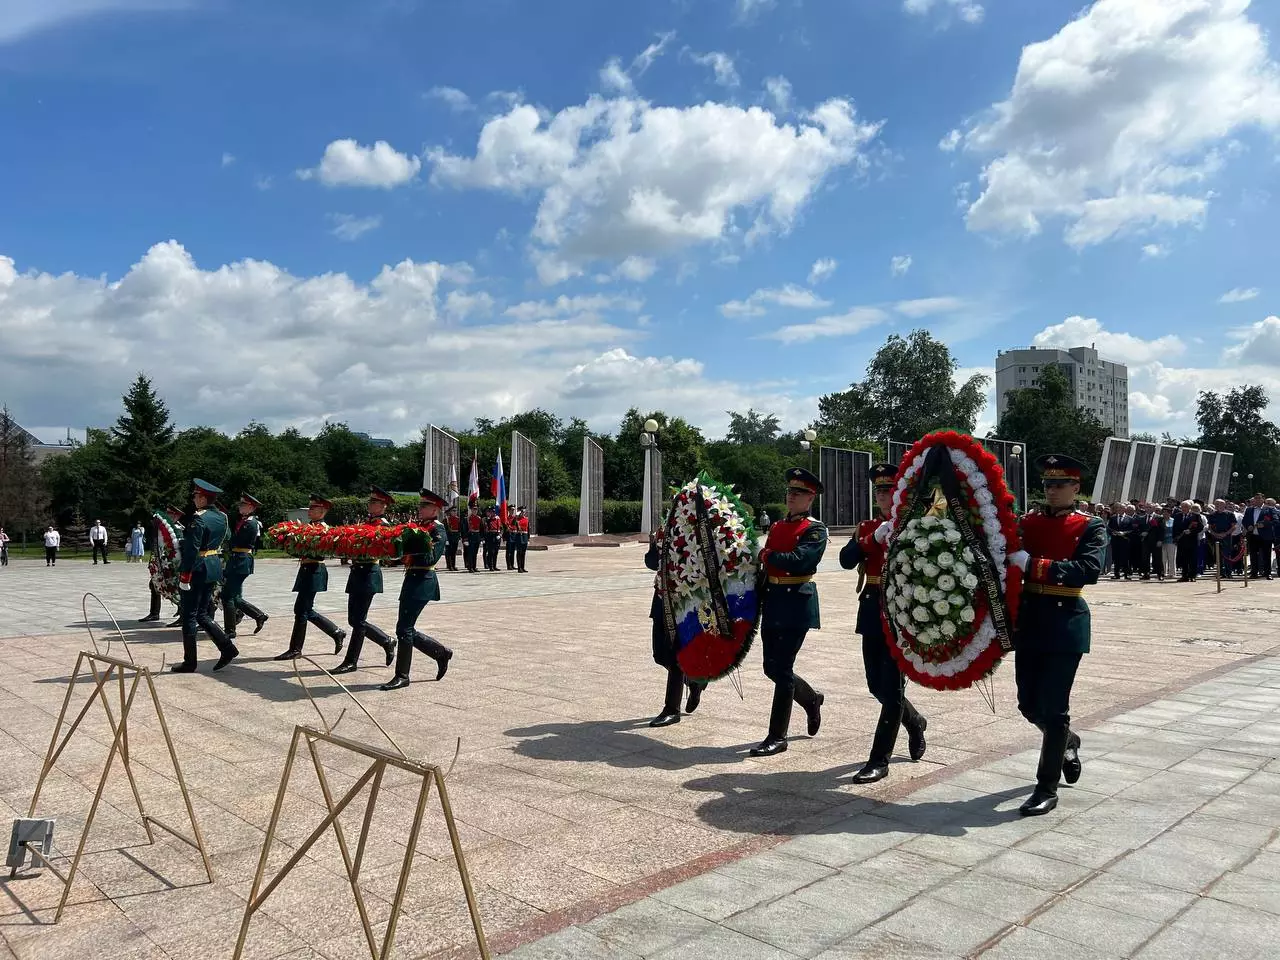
(451, 494)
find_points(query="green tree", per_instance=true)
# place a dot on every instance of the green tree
(909, 390)
(78, 484)
(1046, 419)
(140, 448)
(345, 459)
(682, 454)
(752, 427)
(20, 491)
(756, 470)
(1237, 423)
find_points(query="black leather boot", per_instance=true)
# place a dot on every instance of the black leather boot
(259, 617)
(779, 720)
(434, 649)
(154, 613)
(229, 618)
(352, 660)
(1071, 765)
(916, 724)
(1052, 751)
(296, 640)
(380, 637)
(695, 696)
(811, 702)
(882, 743)
(188, 664)
(404, 662)
(671, 701)
(335, 632)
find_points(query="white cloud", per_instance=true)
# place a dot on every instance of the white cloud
(620, 177)
(294, 351)
(951, 142)
(1121, 347)
(615, 78)
(347, 226)
(636, 269)
(778, 90)
(453, 98)
(228, 159)
(1116, 122)
(1258, 343)
(1154, 251)
(929, 306)
(23, 18)
(721, 65)
(838, 325)
(822, 269)
(898, 266)
(1239, 295)
(747, 9)
(644, 59)
(562, 306)
(790, 295)
(347, 163)
(460, 305)
(966, 10)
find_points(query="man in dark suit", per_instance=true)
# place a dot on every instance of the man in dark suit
(1120, 528)
(1259, 528)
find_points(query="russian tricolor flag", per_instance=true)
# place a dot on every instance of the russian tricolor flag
(499, 490)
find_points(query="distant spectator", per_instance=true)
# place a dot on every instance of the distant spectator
(4, 548)
(52, 540)
(98, 540)
(764, 521)
(137, 543)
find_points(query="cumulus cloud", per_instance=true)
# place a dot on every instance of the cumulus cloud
(296, 350)
(1116, 122)
(1154, 251)
(790, 295)
(822, 269)
(451, 97)
(1256, 344)
(966, 10)
(836, 325)
(26, 17)
(898, 266)
(620, 178)
(721, 65)
(778, 90)
(1120, 347)
(347, 226)
(348, 164)
(1239, 295)
(592, 306)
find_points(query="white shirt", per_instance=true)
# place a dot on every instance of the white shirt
(52, 538)
(98, 533)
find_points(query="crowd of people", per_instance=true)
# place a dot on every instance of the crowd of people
(1160, 541)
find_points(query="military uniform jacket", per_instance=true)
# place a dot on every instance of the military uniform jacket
(201, 543)
(475, 526)
(865, 549)
(243, 540)
(313, 575)
(653, 560)
(522, 531)
(1067, 552)
(792, 553)
(422, 549)
(454, 527)
(366, 575)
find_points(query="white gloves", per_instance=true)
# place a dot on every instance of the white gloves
(1020, 559)
(183, 585)
(882, 532)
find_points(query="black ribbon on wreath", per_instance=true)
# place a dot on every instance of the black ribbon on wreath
(711, 564)
(938, 465)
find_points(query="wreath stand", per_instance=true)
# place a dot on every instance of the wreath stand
(34, 837)
(381, 759)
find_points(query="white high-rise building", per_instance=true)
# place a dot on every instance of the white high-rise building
(1100, 386)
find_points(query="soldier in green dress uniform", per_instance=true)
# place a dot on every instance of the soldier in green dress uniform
(363, 583)
(239, 567)
(1063, 552)
(788, 562)
(199, 569)
(312, 578)
(422, 547)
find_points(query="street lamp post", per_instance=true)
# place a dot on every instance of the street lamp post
(1015, 455)
(649, 440)
(809, 436)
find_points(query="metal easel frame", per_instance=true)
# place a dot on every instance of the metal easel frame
(119, 744)
(429, 773)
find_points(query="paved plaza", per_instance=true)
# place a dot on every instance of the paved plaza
(589, 835)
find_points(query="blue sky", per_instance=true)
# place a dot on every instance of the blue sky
(398, 212)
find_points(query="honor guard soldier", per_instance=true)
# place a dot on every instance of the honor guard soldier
(522, 538)
(312, 578)
(884, 679)
(492, 534)
(453, 529)
(475, 532)
(363, 582)
(664, 650)
(422, 548)
(199, 569)
(244, 541)
(510, 534)
(788, 562)
(1062, 552)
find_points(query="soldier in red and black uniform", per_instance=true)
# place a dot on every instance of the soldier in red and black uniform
(789, 560)
(475, 531)
(884, 679)
(1063, 552)
(522, 538)
(453, 533)
(492, 536)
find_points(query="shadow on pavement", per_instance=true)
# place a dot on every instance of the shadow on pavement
(619, 743)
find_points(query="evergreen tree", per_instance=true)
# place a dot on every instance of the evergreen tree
(19, 479)
(140, 449)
